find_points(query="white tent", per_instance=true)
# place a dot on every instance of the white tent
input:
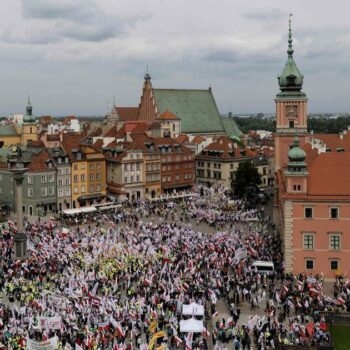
(191, 325)
(193, 309)
(75, 211)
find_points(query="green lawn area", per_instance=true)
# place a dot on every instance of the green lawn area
(341, 337)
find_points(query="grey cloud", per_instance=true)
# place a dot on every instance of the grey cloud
(222, 55)
(61, 9)
(268, 14)
(72, 19)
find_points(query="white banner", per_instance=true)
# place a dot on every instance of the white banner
(50, 344)
(47, 323)
(58, 302)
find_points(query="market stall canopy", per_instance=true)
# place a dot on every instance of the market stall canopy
(191, 325)
(193, 309)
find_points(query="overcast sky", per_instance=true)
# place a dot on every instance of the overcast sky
(73, 56)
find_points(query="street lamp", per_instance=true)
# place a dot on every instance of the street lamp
(20, 238)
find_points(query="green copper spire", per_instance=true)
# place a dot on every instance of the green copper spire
(290, 80)
(290, 50)
(29, 118)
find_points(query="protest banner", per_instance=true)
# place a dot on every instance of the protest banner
(50, 344)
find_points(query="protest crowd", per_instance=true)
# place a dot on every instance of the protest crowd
(121, 281)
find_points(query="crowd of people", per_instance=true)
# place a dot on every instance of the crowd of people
(121, 280)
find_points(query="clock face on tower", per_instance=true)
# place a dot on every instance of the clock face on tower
(291, 111)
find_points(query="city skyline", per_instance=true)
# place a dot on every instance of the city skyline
(72, 59)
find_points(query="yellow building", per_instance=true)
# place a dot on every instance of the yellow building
(29, 128)
(9, 136)
(88, 171)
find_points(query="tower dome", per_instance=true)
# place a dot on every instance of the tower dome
(290, 78)
(296, 154)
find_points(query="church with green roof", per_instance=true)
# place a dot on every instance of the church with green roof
(196, 109)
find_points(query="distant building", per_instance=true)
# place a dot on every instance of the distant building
(195, 109)
(219, 161)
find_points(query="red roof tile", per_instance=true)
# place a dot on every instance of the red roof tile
(128, 113)
(167, 115)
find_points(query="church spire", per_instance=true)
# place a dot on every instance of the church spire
(290, 50)
(291, 79)
(147, 75)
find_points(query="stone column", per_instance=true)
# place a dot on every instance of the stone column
(20, 238)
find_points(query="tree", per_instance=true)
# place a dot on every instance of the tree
(246, 177)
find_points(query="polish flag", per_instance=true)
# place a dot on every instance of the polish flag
(340, 301)
(188, 341)
(205, 333)
(119, 330)
(177, 340)
(252, 251)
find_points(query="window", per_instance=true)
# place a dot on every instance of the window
(60, 193)
(208, 165)
(126, 166)
(76, 189)
(30, 179)
(43, 179)
(98, 187)
(132, 178)
(334, 241)
(51, 191)
(92, 188)
(296, 188)
(75, 178)
(82, 167)
(177, 166)
(309, 264)
(309, 241)
(138, 166)
(334, 264)
(83, 189)
(208, 174)
(291, 124)
(98, 177)
(138, 178)
(308, 213)
(75, 167)
(125, 179)
(334, 213)
(30, 192)
(91, 166)
(67, 182)
(43, 191)
(164, 178)
(177, 177)
(51, 178)
(68, 192)
(92, 177)
(67, 171)
(60, 182)
(98, 166)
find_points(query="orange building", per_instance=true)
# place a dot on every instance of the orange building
(312, 194)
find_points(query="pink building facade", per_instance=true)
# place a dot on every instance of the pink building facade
(312, 194)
